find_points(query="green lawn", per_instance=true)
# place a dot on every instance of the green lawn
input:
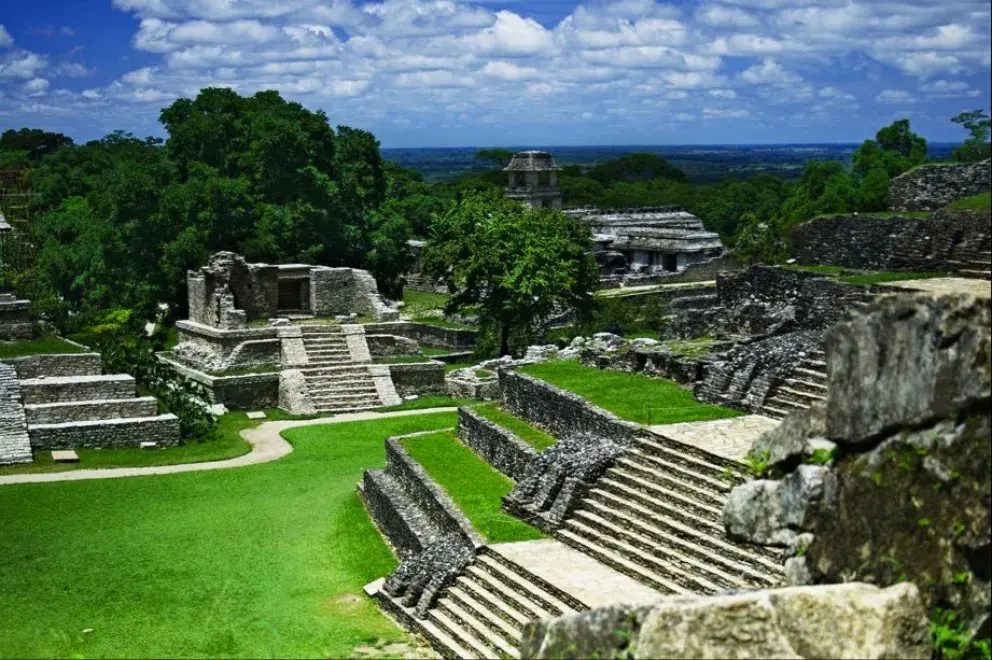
(46, 345)
(631, 396)
(454, 366)
(432, 352)
(260, 561)
(441, 323)
(223, 442)
(473, 484)
(691, 348)
(892, 276)
(977, 202)
(429, 401)
(533, 436)
(419, 302)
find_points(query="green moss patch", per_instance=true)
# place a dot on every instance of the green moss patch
(46, 345)
(532, 435)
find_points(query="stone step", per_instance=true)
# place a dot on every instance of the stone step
(317, 330)
(688, 457)
(326, 346)
(808, 386)
(333, 389)
(402, 521)
(443, 642)
(659, 499)
(976, 274)
(351, 370)
(77, 388)
(106, 433)
(79, 411)
(805, 399)
(811, 376)
(641, 551)
(613, 559)
(476, 649)
(534, 580)
(655, 485)
(688, 303)
(814, 364)
(520, 600)
(679, 536)
(477, 625)
(646, 507)
(497, 605)
(652, 466)
(549, 602)
(775, 413)
(57, 365)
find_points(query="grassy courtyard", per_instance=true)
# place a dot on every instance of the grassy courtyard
(631, 396)
(474, 486)
(532, 435)
(261, 561)
(44, 345)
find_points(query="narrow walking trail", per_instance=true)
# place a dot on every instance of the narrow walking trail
(266, 442)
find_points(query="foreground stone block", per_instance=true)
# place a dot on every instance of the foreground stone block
(852, 620)
(65, 456)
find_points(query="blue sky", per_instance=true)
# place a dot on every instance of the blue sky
(477, 73)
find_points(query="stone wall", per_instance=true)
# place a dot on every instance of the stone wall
(14, 444)
(246, 392)
(58, 365)
(559, 412)
(837, 621)
(15, 322)
(212, 349)
(54, 390)
(345, 290)
(852, 241)
(433, 336)
(228, 291)
(902, 487)
(418, 378)
(931, 187)
(703, 271)
(391, 345)
(81, 411)
(106, 434)
(499, 447)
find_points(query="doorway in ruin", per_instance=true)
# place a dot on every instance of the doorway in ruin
(294, 295)
(670, 262)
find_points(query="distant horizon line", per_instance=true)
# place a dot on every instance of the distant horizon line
(712, 144)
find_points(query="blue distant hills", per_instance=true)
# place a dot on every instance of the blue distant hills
(702, 163)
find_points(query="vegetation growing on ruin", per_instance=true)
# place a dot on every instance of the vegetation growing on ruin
(44, 345)
(530, 434)
(429, 401)
(977, 203)
(631, 396)
(417, 303)
(474, 486)
(262, 561)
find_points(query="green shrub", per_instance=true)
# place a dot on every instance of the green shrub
(952, 641)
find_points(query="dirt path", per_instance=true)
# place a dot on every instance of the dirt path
(266, 442)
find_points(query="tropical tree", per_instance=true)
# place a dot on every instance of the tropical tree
(512, 266)
(977, 146)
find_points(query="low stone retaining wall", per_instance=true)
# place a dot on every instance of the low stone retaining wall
(80, 411)
(931, 187)
(418, 378)
(391, 345)
(75, 388)
(406, 531)
(561, 413)
(456, 339)
(428, 495)
(106, 434)
(851, 241)
(502, 449)
(662, 364)
(57, 365)
(246, 392)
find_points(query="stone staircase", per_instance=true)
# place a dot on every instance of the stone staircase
(336, 381)
(806, 385)
(80, 407)
(975, 264)
(15, 447)
(483, 613)
(656, 516)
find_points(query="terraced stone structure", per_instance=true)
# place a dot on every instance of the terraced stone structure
(648, 241)
(68, 402)
(240, 321)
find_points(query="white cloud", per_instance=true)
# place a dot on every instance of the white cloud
(928, 63)
(725, 113)
(723, 93)
(948, 89)
(509, 71)
(894, 96)
(432, 79)
(6, 41)
(722, 16)
(36, 86)
(21, 64)
(834, 93)
(71, 70)
(92, 94)
(769, 72)
(512, 35)
(750, 44)
(141, 76)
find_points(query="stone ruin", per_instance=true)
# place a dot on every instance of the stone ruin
(931, 187)
(648, 241)
(533, 180)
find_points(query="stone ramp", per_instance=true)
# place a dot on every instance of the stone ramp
(938, 286)
(15, 447)
(729, 438)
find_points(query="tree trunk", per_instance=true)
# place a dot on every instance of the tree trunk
(504, 339)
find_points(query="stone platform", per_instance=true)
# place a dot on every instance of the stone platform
(940, 286)
(728, 438)
(576, 573)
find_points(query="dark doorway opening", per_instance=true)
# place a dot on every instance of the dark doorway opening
(670, 262)
(292, 296)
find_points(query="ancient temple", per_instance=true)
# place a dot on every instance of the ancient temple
(533, 180)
